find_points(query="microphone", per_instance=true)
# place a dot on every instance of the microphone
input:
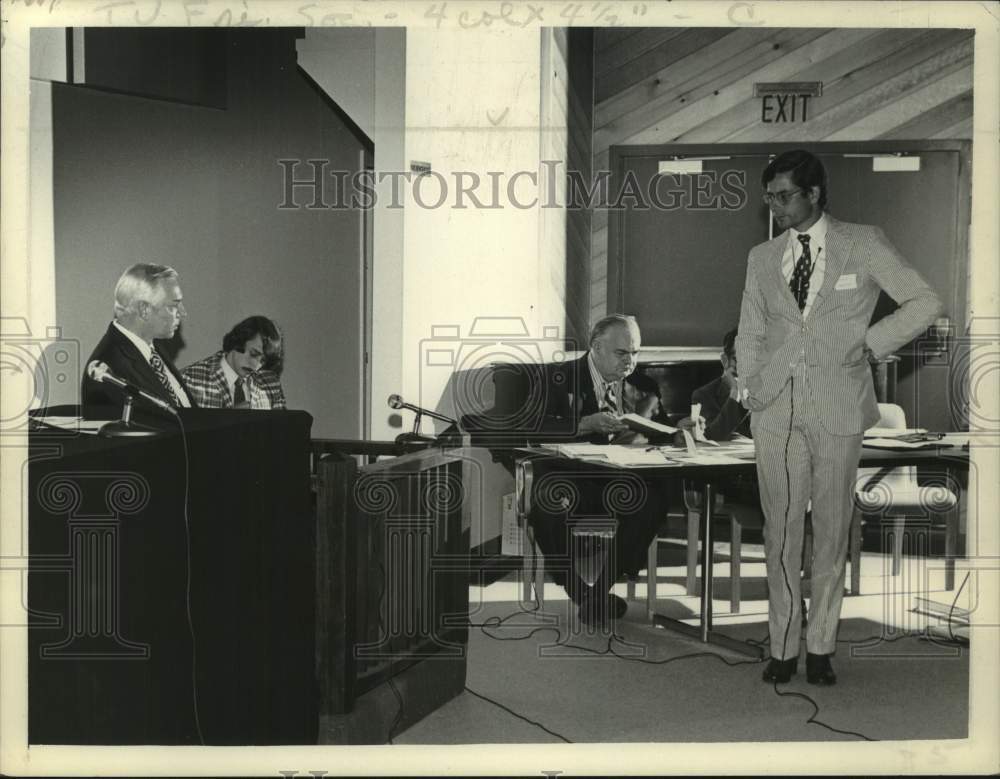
(395, 401)
(100, 372)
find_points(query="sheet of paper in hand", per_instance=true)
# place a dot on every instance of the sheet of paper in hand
(647, 426)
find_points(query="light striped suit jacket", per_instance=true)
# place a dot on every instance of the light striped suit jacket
(774, 336)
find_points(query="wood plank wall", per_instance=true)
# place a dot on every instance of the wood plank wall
(667, 85)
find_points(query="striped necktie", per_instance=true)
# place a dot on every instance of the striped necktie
(161, 373)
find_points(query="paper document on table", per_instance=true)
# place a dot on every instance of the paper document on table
(643, 425)
(892, 432)
(72, 424)
(699, 425)
(689, 443)
(577, 450)
(896, 443)
(612, 453)
(634, 455)
(706, 458)
(743, 448)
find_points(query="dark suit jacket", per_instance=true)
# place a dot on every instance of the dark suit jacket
(723, 415)
(126, 362)
(535, 402)
(569, 396)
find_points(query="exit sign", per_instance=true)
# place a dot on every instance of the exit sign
(786, 102)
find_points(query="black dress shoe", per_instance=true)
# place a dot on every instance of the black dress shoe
(781, 671)
(819, 670)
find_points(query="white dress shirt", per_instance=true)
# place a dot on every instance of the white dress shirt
(601, 386)
(817, 248)
(146, 350)
(256, 397)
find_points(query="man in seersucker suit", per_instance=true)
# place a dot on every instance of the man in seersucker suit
(803, 349)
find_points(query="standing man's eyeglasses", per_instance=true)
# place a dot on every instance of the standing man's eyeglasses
(782, 197)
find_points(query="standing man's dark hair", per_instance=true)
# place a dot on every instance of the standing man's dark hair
(805, 170)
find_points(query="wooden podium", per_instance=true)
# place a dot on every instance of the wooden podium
(392, 592)
(171, 584)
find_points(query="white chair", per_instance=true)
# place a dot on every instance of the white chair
(893, 494)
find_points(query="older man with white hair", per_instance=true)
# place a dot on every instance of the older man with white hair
(148, 306)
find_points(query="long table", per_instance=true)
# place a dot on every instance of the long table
(708, 476)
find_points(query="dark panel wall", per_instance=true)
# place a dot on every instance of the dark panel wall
(199, 189)
(187, 66)
(580, 118)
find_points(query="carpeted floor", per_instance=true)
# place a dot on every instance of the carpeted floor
(537, 679)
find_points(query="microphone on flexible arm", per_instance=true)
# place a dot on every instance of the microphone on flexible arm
(397, 402)
(100, 372)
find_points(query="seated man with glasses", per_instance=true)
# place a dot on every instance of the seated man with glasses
(241, 375)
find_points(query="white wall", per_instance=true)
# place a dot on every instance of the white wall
(363, 71)
(473, 104)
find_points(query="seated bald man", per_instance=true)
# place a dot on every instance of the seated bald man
(585, 399)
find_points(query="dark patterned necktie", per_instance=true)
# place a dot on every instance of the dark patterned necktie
(799, 283)
(161, 373)
(239, 396)
(608, 403)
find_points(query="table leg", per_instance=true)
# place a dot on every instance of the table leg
(703, 631)
(707, 579)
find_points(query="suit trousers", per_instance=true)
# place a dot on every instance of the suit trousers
(798, 460)
(609, 519)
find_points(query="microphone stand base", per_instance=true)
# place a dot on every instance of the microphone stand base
(122, 429)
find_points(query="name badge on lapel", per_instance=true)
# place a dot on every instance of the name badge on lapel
(847, 281)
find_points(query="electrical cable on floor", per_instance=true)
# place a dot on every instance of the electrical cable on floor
(790, 383)
(951, 611)
(519, 716)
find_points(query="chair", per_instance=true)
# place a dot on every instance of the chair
(740, 515)
(533, 577)
(894, 494)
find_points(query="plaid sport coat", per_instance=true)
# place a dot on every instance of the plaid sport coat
(206, 383)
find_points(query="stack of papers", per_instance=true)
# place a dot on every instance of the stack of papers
(647, 426)
(706, 457)
(892, 432)
(71, 424)
(612, 453)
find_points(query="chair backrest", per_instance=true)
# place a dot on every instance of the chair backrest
(890, 416)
